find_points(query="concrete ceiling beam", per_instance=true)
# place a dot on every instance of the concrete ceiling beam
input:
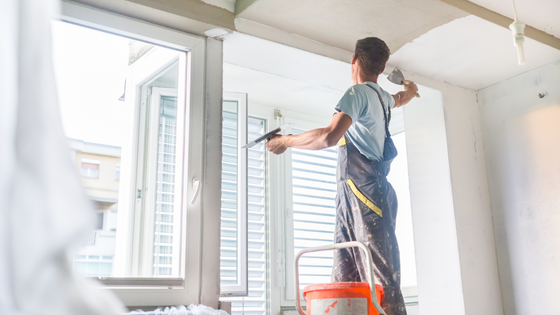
(195, 10)
(241, 5)
(504, 21)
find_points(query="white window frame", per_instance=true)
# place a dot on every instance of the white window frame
(318, 122)
(150, 182)
(241, 287)
(189, 288)
(278, 279)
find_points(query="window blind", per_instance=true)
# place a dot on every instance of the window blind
(255, 302)
(228, 241)
(314, 191)
(165, 187)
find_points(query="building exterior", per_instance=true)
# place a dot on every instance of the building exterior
(99, 167)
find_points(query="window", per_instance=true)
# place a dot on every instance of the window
(99, 215)
(153, 134)
(118, 171)
(313, 205)
(148, 134)
(94, 266)
(255, 302)
(90, 168)
(233, 249)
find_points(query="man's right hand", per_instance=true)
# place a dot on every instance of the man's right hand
(410, 87)
(402, 98)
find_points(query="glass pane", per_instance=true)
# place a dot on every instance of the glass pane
(228, 247)
(133, 137)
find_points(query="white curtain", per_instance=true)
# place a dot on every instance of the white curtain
(44, 213)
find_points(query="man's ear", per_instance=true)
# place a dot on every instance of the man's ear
(354, 59)
(382, 69)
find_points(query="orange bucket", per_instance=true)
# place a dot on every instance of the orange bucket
(341, 298)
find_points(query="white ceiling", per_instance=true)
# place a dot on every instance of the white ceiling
(224, 4)
(280, 92)
(540, 14)
(284, 61)
(470, 52)
(283, 77)
(430, 37)
(340, 23)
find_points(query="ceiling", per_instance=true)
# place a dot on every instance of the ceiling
(433, 38)
(470, 52)
(541, 14)
(429, 37)
(340, 23)
(283, 77)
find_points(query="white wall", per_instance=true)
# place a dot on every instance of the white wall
(433, 219)
(458, 211)
(522, 140)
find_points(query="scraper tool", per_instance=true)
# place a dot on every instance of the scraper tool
(397, 77)
(266, 136)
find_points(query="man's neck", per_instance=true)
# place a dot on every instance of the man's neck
(362, 78)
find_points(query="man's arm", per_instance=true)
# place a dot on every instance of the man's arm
(316, 139)
(402, 98)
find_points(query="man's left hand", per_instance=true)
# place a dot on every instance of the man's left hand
(276, 144)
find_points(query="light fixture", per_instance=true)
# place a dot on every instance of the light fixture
(517, 29)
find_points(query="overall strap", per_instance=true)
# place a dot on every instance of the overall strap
(386, 117)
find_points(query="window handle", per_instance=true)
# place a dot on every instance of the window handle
(196, 188)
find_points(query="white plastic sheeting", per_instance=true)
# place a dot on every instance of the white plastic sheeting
(44, 213)
(182, 310)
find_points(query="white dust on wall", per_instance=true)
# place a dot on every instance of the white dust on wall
(522, 143)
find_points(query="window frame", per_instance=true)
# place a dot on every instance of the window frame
(289, 292)
(92, 162)
(190, 288)
(149, 182)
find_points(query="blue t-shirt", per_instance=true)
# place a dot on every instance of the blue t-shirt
(367, 131)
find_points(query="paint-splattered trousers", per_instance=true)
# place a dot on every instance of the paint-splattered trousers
(366, 210)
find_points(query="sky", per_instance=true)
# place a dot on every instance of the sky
(90, 68)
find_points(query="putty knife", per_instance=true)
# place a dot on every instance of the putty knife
(266, 136)
(397, 77)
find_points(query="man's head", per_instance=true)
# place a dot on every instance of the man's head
(370, 56)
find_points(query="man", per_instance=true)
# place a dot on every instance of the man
(366, 203)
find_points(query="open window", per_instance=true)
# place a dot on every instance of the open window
(254, 299)
(233, 247)
(149, 141)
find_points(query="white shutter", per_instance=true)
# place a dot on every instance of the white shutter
(233, 248)
(228, 247)
(314, 191)
(255, 302)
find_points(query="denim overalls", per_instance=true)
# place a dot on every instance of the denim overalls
(366, 211)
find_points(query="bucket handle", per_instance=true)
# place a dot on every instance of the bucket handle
(369, 260)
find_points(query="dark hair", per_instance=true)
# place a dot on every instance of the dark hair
(372, 54)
